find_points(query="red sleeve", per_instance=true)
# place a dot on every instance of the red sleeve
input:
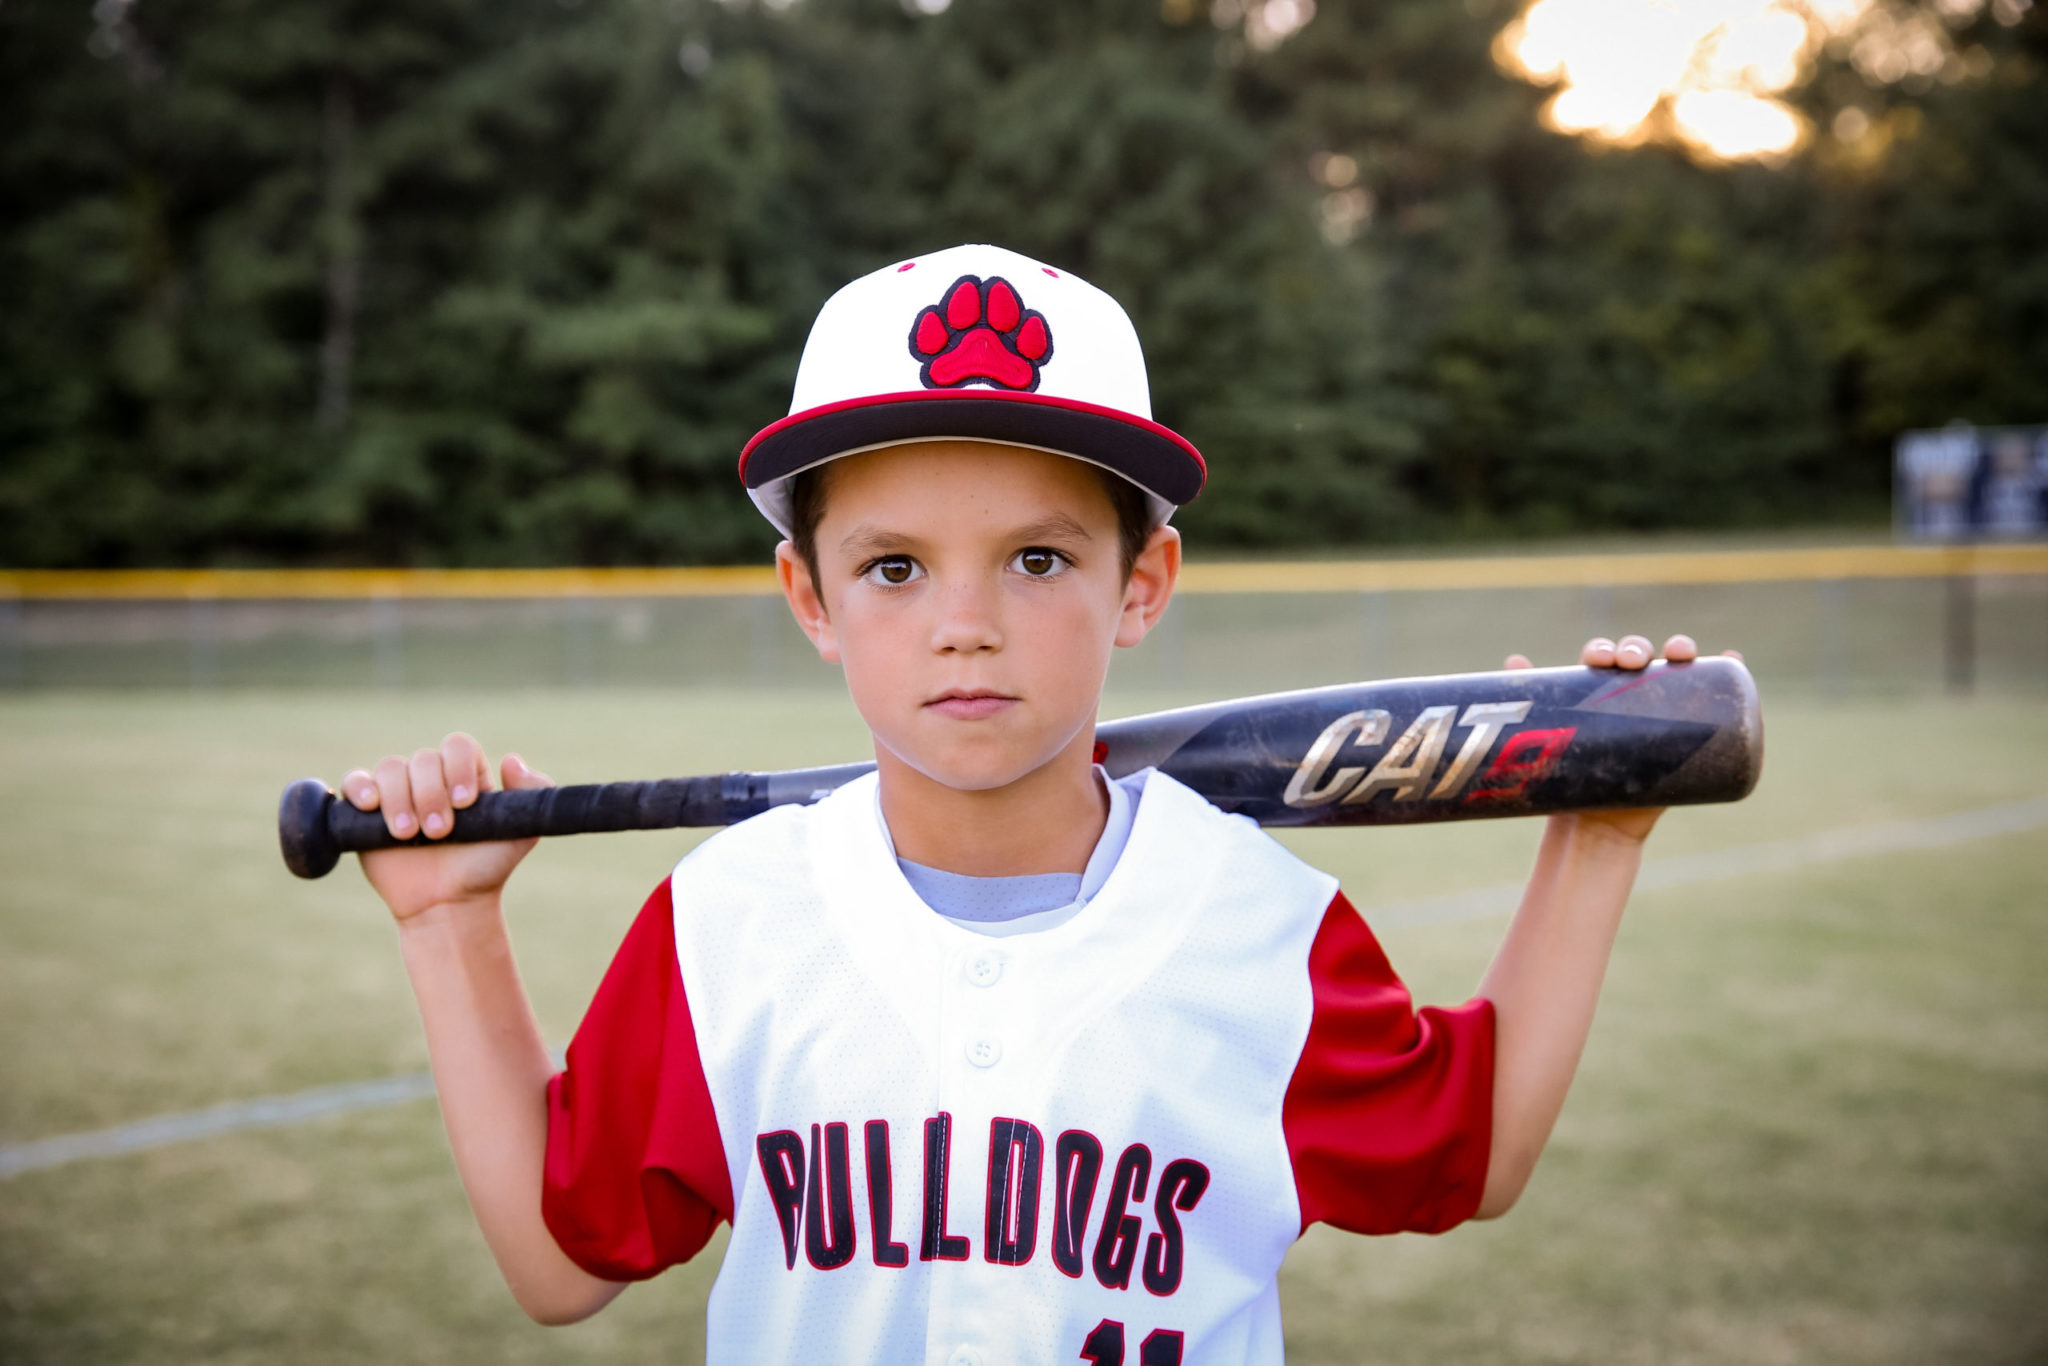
(636, 1177)
(1389, 1115)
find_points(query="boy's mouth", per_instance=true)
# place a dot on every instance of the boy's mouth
(970, 704)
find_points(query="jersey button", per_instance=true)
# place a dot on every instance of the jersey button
(984, 1053)
(984, 968)
(965, 1356)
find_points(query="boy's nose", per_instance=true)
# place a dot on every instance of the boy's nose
(968, 621)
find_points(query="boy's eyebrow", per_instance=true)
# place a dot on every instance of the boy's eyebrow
(1059, 526)
(868, 539)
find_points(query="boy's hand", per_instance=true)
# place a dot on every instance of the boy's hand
(1633, 652)
(422, 794)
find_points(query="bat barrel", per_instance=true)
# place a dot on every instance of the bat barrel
(1472, 746)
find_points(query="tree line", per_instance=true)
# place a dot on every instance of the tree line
(511, 281)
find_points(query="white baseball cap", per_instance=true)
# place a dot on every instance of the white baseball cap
(973, 343)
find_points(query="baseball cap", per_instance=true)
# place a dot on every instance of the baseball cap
(978, 343)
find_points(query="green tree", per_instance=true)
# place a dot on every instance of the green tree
(1938, 268)
(363, 282)
(510, 283)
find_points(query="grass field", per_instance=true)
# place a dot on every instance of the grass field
(1810, 1127)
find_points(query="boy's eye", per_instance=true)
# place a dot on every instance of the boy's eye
(893, 570)
(1038, 562)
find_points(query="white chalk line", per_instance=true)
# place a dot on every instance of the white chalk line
(1778, 856)
(265, 1112)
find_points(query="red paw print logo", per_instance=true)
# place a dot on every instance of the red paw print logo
(981, 331)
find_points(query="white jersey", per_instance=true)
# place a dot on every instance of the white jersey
(1091, 1143)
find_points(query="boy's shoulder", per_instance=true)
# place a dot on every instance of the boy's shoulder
(1231, 857)
(771, 846)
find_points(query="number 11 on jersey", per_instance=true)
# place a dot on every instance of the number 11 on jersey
(1105, 1346)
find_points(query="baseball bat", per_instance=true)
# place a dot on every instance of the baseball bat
(1458, 747)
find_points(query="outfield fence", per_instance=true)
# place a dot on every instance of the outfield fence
(1839, 619)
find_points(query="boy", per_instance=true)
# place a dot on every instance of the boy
(986, 1057)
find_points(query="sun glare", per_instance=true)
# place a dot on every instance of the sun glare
(1730, 124)
(1709, 72)
(1714, 64)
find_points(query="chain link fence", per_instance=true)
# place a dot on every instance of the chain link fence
(1235, 629)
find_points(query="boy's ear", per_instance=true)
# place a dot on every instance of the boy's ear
(1153, 575)
(805, 604)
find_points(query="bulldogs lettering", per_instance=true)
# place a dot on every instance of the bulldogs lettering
(782, 1165)
(881, 1197)
(939, 1245)
(1116, 1249)
(1015, 1152)
(828, 1241)
(1410, 763)
(1078, 1160)
(810, 1189)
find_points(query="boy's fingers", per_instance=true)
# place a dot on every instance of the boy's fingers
(360, 789)
(1733, 654)
(1634, 652)
(1598, 654)
(467, 771)
(430, 794)
(1518, 662)
(394, 795)
(517, 775)
(1681, 649)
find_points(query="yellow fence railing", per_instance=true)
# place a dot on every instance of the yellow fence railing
(1276, 576)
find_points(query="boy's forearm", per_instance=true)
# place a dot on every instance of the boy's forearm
(1544, 984)
(491, 1071)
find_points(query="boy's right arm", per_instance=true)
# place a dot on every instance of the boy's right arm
(491, 1067)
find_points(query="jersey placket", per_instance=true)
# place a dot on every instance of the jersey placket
(983, 1052)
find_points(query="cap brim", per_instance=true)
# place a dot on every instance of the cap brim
(1156, 458)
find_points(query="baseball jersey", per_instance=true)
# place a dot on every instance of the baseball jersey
(1091, 1143)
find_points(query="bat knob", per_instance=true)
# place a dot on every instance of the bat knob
(309, 846)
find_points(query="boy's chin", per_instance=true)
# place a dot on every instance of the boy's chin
(975, 768)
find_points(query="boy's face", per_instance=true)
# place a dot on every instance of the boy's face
(972, 593)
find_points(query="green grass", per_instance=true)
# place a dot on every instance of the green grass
(1809, 1127)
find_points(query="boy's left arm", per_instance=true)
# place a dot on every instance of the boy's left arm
(1545, 980)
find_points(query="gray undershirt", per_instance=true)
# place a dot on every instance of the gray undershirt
(1001, 906)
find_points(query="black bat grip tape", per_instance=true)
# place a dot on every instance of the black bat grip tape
(315, 827)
